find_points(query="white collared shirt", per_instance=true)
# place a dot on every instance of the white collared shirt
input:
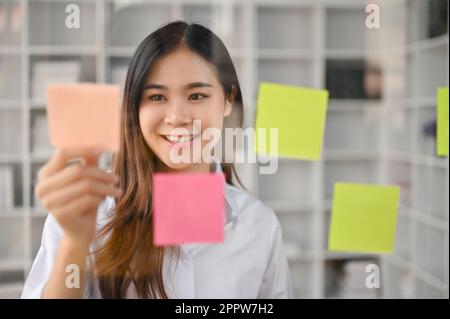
(250, 263)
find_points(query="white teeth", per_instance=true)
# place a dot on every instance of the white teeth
(179, 139)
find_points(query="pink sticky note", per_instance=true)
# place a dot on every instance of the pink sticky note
(84, 115)
(188, 208)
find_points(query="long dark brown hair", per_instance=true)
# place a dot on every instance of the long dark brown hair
(127, 254)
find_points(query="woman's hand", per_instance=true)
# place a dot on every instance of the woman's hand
(72, 193)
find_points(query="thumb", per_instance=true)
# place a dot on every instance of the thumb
(92, 158)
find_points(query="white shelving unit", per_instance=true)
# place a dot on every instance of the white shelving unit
(287, 41)
(415, 66)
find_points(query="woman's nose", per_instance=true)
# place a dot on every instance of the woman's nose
(177, 114)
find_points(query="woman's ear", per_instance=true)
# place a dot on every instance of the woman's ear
(229, 101)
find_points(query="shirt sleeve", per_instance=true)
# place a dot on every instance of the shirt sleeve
(43, 263)
(277, 283)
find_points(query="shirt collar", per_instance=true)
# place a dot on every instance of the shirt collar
(231, 205)
(231, 210)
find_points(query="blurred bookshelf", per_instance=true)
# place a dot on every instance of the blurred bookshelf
(414, 68)
(377, 125)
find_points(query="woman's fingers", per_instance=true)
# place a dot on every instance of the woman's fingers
(91, 159)
(60, 158)
(70, 175)
(73, 192)
(61, 197)
(83, 204)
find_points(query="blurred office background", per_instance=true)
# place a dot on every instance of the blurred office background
(380, 126)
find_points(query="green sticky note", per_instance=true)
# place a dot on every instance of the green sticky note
(442, 122)
(299, 115)
(363, 218)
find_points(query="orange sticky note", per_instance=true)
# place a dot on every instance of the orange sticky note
(188, 208)
(84, 115)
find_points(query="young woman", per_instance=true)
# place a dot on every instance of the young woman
(101, 223)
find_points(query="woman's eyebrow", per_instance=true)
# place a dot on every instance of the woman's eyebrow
(155, 86)
(187, 86)
(197, 85)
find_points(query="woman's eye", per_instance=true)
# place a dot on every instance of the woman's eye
(197, 96)
(157, 97)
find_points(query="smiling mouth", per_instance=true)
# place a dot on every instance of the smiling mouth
(179, 139)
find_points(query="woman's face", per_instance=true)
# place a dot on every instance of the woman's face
(180, 88)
